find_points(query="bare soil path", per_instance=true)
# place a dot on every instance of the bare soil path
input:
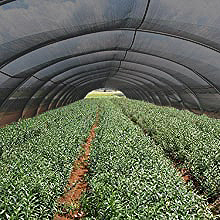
(69, 202)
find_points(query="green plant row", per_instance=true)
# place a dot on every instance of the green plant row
(130, 178)
(36, 158)
(184, 137)
(201, 122)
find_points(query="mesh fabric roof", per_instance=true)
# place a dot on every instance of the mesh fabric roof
(54, 52)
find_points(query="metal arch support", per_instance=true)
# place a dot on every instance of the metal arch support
(144, 88)
(127, 93)
(132, 90)
(201, 76)
(177, 79)
(111, 50)
(38, 90)
(3, 2)
(147, 79)
(189, 68)
(160, 57)
(59, 39)
(68, 36)
(70, 87)
(124, 81)
(57, 96)
(102, 61)
(73, 81)
(69, 68)
(49, 80)
(204, 78)
(41, 87)
(51, 95)
(153, 75)
(93, 63)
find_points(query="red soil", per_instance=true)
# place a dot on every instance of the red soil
(209, 114)
(215, 206)
(7, 118)
(76, 185)
(186, 176)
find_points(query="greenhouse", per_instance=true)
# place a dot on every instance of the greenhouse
(54, 52)
(109, 109)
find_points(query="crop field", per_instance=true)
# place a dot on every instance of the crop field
(134, 160)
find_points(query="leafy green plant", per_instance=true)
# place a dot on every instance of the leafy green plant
(190, 138)
(37, 156)
(130, 178)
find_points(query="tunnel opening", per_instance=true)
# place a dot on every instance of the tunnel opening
(104, 92)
